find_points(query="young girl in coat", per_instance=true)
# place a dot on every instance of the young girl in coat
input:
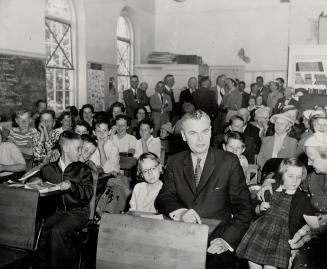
(265, 244)
(145, 193)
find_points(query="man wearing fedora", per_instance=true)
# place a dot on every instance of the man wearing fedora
(280, 145)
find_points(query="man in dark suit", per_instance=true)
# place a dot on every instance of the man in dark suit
(262, 89)
(220, 90)
(248, 129)
(169, 81)
(207, 183)
(134, 97)
(245, 95)
(186, 96)
(204, 99)
(287, 100)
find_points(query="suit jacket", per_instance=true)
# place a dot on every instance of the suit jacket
(130, 101)
(288, 149)
(253, 131)
(264, 91)
(221, 192)
(156, 105)
(280, 105)
(215, 91)
(185, 97)
(245, 99)
(204, 99)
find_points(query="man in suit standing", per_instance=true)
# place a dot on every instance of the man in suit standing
(262, 89)
(161, 106)
(169, 81)
(287, 100)
(245, 95)
(134, 97)
(220, 91)
(204, 99)
(207, 183)
(186, 95)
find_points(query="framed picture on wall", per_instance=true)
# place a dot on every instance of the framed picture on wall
(307, 68)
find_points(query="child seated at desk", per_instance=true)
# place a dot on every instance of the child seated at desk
(71, 209)
(22, 136)
(11, 160)
(145, 193)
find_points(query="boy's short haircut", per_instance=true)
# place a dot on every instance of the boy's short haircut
(83, 123)
(68, 136)
(48, 111)
(233, 135)
(122, 117)
(90, 139)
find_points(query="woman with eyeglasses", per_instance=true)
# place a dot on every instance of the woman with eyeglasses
(145, 193)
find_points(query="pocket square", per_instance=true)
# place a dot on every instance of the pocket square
(218, 188)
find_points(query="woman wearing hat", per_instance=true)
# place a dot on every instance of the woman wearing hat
(317, 123)
(280, 145)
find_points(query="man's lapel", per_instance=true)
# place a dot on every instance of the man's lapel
(207, 170)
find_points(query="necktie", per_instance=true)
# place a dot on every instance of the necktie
(198, 171)
(135, 94)
(161, 98)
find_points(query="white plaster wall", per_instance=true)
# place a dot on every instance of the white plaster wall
(101, 27)
(22, 26)
(216, 30)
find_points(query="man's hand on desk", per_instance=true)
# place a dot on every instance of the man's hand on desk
(65, 185)
(190, 216)
(218, 246)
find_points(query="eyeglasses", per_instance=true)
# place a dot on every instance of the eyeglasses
(152, 169)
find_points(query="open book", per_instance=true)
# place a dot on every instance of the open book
(43, 187)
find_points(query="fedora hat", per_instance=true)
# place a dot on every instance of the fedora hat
(289, 115)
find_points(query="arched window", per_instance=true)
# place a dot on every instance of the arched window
(124, 54)
(60, 69)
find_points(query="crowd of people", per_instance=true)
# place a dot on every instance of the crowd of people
(225, 129)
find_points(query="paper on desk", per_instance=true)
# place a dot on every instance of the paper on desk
(312, 221)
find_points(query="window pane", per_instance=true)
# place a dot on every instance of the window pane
(59, 101)
(123, 28)
(68, 98)
(49, 77)
(59, 79)
(68, 80)
(58, 44)
(58, 8)
(123, 58)
(123, 84)
(50, 99)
